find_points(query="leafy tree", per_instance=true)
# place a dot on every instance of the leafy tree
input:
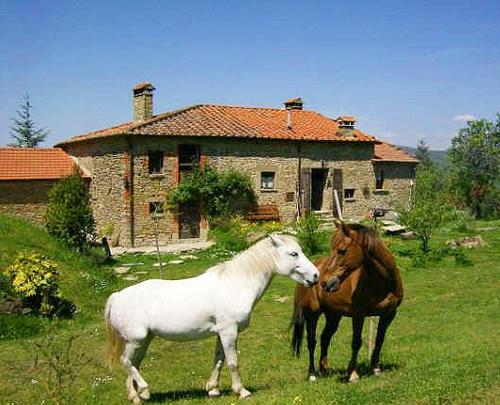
(218, 193)
(24, 131)
(423, 153)
(474, 157)
(428, 208)
(69, 216)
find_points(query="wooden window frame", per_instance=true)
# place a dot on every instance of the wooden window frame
(263, 186)
(153, 210)
(155, 162)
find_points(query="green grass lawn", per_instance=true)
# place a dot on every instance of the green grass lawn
(443, 347)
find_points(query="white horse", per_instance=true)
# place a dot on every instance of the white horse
(217, 302)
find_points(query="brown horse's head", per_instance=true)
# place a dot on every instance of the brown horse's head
(349, 244)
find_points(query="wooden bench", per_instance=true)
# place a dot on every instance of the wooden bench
(264, 212)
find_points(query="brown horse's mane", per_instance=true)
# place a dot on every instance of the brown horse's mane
(379, 255)
(365, 236)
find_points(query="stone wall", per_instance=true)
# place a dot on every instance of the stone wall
(113, 163)
(106, 161)
(398, 180)
(154, 188)
(27, 199)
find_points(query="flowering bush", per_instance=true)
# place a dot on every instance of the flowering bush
(33, 276)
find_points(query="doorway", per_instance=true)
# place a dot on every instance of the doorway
(318, 183)
(189, 222)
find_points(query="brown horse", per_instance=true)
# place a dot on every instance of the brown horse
(360, 278)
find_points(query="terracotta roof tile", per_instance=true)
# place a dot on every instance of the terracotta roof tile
(229, 121)
(385, 152)
(34, 164)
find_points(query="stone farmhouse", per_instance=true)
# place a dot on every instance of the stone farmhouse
(297, 160)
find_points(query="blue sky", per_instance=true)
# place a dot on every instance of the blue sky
(406, 69)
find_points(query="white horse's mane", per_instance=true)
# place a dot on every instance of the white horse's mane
(258, 258)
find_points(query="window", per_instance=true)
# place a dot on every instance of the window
(189, 159)
(379, 179)
(155, 162)
(349, 193)
(155, 207)
(267, 180)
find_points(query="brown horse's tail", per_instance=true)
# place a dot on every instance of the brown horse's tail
(115, 341)
(297, 323)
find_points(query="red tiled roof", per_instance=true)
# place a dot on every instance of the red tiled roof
(229, 121)
(385, 152)
(34, 164)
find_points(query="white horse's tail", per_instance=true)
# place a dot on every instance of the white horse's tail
(115, 341)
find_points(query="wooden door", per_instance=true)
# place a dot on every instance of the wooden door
(337, 184)
(189, 222)
(305, 190)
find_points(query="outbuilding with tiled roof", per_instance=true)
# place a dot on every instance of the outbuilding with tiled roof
(27, 175)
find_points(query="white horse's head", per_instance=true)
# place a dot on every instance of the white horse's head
(291, 261)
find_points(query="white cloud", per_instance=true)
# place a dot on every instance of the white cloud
(464, 118)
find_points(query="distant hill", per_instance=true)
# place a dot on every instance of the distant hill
(437, 156)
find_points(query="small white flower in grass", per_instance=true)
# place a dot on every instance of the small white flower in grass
(33, 381)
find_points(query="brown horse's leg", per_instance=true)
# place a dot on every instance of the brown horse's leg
(357, 330)
(383, 324)
(332, 323)
(311, 324)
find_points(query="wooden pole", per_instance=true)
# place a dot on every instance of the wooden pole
(371, 337)
(337, 203)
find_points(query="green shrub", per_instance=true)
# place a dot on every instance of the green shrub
(462, 221)
(231, 234)
(461, 257)
(34, 278)
(69, 216)
(309, 233)
(218, 193)
(429, 208)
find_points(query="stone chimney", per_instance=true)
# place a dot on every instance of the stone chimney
(346, 125)
(294, 104)
(143, 101)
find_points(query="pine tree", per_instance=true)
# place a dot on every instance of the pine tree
(24, 130)
(423, 153)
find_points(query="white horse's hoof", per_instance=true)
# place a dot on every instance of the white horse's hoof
(137, 400)
(144, 394)
(354, 378)
(377, 371)
(312, 378)
(214, 392)
(244, 394)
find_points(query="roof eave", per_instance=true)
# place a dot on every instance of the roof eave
(394, 161)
